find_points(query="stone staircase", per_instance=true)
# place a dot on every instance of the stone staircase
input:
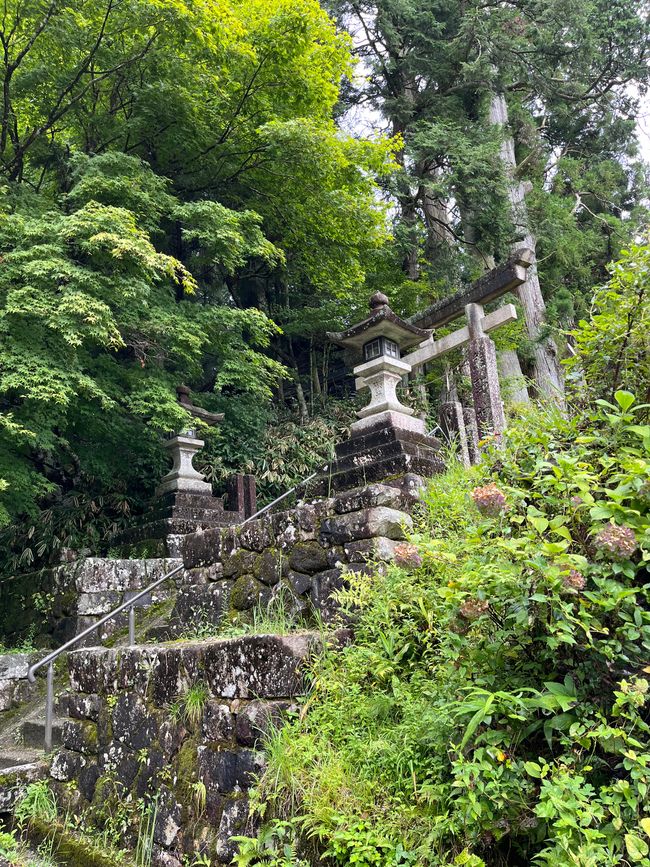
(125, 726)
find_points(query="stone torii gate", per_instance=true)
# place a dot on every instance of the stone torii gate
(383, 336)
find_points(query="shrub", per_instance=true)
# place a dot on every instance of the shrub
(494, 706)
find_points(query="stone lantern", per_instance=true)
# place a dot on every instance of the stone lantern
(182, 447)
(379, 341)
(183, 502)
(387, 441)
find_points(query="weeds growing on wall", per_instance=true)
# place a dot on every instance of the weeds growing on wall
(493, 708)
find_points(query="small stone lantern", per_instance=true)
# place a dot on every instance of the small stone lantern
(182, 448)
(380, 340)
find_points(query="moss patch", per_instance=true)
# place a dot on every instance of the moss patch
(73, 850)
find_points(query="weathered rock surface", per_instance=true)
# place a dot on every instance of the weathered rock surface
(376, 521)
(127, 741)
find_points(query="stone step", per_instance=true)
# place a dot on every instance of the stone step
(16, 777)
(21, 755)
(158, 634)
(395, 466)
(382, 437)
(32, 733)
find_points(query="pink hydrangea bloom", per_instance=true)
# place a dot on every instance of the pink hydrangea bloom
(407, 555)
(489, 500)
(472, 609)
(616, 543)
(574, 580)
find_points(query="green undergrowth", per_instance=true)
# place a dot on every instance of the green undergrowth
(281, 615)
(493, 708)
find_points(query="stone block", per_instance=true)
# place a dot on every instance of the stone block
(132, 668)
(170, 737)
(227, 771)
(206, 574)
(87, 780)
(240, 562)
(81, 707)
(325, 585)
(95, 604)
(81, 736)
(92, 670)
(366, 498)
(268, 566)
(286, 529)
(166, 676)
(245, 593)
(218, 722)
(257, 666)
(255, 720)
(308, 557)
(14, 666)
(123, 764)
(168, 818)
(377, 548)
(202, 604)
(376, 521)
(300, 584)
(256, 535)
(7, 692)
(133, 725)
(99, 575)
(235, 821)
(15, 781)
(162, 858)
(66, 765)
(203, 547)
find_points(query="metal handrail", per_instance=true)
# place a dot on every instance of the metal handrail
(51, 657)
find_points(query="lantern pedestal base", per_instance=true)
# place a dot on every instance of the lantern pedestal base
(390, 418)
(382, 451)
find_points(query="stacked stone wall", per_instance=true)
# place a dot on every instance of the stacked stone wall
(130, 736)
(55, 604)
(303, 552)
(14, 686)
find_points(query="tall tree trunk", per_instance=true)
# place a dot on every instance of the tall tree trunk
(546, 367)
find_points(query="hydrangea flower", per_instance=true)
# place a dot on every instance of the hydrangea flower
(472, 609)
(574, 580)
(407, 555)
(489, 500)
(616, 543)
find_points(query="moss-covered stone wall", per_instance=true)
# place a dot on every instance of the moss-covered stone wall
(177, 727)
(303, 552)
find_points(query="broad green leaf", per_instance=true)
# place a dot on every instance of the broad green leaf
(624, 399)
(636, 847)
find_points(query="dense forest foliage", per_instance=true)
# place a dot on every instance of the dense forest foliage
(194, 192)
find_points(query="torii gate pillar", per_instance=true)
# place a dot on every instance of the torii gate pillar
(484, 372)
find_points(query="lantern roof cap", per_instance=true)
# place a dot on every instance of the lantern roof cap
(382, 322)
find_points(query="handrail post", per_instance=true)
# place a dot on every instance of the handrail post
(49, 707)
(54, 654)
(132, 624)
